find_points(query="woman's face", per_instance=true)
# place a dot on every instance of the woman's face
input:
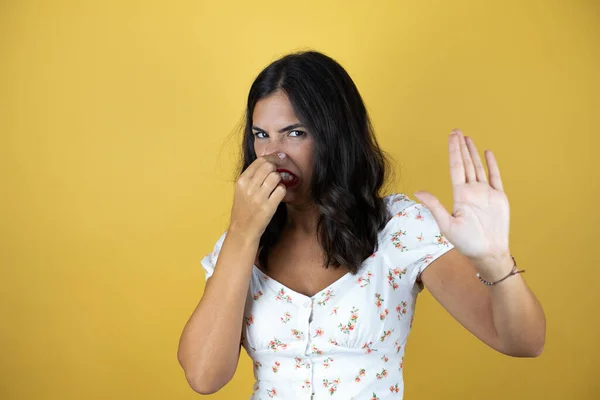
(276, 129)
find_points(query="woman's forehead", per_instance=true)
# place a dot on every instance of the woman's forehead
(274, 112)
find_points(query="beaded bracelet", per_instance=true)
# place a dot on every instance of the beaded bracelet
(513, 272)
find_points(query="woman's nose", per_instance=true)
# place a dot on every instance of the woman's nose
(273, 147)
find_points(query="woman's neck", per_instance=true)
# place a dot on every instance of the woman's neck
(302, 219)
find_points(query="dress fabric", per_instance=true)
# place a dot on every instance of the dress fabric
(348, 340)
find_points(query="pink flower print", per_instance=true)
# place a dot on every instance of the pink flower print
(331, 386)
(382, 374)
(384, 314)
(282, 296)
(272, 393)
(306, 385)
(256, 365)
(396, 240)
(301, 363)
(442, 240)
(367, 348)
(255, 387)
(401, 214)
(334, 311)
(365, 279)
(297, 334)
(325, 297)
(374, 397)
(400, 197)
(402, 363)
(372, 255)
(318, 332)
(393, 274)
(276, 367)
(420, 238)
(385, 358)
(361, 374)
(394, 388)
(276, 344)
(427, 258)
(257, 295)
(352, 323)
(385, 335)
(333, 341)
(249, 320)
(419, 217)
(327, 362)
(316, 350)
(286, 318)
(397, 346)
(401, 309)
(378, 300)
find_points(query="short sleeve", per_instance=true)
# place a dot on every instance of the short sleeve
(210, 260)
(412, 236)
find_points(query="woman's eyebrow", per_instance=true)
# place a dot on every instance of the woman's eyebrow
(282, 130)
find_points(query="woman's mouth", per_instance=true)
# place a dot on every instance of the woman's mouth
(288, 178)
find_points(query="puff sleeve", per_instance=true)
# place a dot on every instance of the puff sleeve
(210, 260)
(412, 236)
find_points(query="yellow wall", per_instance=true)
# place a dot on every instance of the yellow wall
(116, 159)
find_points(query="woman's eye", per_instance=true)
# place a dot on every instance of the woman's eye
(297, 133)
(260, 135)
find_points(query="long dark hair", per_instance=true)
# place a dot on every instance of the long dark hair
(350, 168)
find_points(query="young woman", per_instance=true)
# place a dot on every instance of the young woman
(318, 274)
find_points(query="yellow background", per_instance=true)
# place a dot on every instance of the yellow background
(117, 148)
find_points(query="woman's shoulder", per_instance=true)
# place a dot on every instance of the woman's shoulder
(397, 203)
(408, 218)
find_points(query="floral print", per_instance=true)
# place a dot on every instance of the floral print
(382, 374)
(331, 386)
(276, 344)
(361, 374)
(351, 343)
(325, 297)
(276, 366)
(282, 296)
(393, 274)
(346, 328)
(297, 334)
(402, 309)
(257, 295)
(286, 318)
(365, 279)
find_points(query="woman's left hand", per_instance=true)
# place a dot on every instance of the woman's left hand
(479, 224)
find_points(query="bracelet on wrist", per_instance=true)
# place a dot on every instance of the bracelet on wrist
(514, 271)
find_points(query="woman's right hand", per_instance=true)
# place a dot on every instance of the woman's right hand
(257, 196)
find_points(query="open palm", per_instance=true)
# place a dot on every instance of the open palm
(479, 224)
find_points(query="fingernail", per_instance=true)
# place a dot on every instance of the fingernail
(455, 130)
(281, 155)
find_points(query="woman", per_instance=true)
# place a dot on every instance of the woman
(317, 275)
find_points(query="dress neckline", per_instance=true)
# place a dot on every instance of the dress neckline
(276, 285)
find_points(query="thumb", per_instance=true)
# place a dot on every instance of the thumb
(442, 217)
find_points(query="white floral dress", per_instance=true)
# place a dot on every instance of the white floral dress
(348, 340)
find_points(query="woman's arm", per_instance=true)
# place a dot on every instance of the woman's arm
(505, 316)
(209, 347)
